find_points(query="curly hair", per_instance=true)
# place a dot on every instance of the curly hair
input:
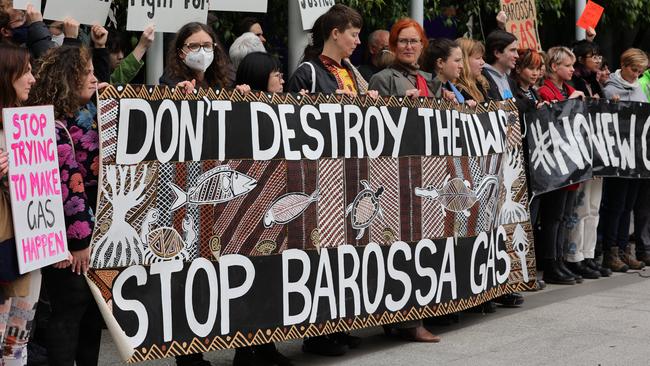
(15, 63)
(59, 76)
(215, 76)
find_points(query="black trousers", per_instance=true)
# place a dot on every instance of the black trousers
(74, 330)
(555, 209)
(619, 197)
(642, 218)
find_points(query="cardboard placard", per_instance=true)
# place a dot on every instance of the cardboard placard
(22, 4)
(522, 22)
(310, 10)
(251, 6)
(590, 16)
(167, 15)
(84, 11)
(35, 187)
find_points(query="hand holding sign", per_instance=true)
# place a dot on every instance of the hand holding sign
(33, 14)
(23, 4)
(4, 163)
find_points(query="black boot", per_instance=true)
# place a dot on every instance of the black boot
(346, 339)
(324, 346)
(562, 266)
(512, 300)
(591, 263)
(583, 270)
(247, 356)
(553, 274)
(270, 353)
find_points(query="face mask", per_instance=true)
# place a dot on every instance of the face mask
(19, 34)
(58, 39)
(199, 60)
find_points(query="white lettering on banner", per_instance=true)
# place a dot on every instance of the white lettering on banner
(84, 11)
(302, 299)
(250, 6)
(644, 144)
(310, 10)
(167, 15)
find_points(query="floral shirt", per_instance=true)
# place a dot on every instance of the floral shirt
(79, 167)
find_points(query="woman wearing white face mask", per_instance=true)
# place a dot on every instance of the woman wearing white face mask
(196, 59)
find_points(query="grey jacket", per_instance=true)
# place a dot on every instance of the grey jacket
(631, 92)
(395, 81)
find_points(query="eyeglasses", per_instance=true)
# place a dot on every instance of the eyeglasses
(195, 47)
(596, 58)
(406, 42)
(278, 75)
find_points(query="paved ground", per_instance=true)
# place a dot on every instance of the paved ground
(602, 322)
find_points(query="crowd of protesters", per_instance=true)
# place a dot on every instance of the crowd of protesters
(583, 231)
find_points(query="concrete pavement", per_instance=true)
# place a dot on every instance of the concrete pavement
(600, 322)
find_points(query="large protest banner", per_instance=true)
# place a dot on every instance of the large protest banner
(226, 220)
(35, 187)
(522, 22)
(575, 140)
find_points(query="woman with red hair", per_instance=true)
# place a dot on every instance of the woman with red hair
(404, 78)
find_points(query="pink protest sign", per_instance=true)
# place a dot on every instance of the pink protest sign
(35, 187)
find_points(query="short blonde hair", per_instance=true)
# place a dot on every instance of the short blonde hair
(634, 57)
(557, 55)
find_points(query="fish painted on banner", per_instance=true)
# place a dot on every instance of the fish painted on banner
(217, 185)
(456, 194)
(288, 207)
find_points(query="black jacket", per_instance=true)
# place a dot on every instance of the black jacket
(325, 81)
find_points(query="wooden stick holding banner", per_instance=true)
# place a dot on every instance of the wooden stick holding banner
(35, 187)
(522, 22)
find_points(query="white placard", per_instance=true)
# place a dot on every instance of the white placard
(310, 10)
(35, 187)
(167, 15)
(251, 6)
(84, 11)
(22, 4)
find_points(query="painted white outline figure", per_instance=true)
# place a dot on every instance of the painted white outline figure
(512, 211)
(521, 248)
(365, 208)
(456, 194)
(288, 207)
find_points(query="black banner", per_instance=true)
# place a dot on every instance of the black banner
(576, 140)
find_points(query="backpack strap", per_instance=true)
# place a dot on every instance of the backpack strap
(313, 75)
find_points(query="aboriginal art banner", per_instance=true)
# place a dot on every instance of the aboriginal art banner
(575, 140)
(226, 220)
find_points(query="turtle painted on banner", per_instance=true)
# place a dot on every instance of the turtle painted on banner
(456, 195)
(364, 208)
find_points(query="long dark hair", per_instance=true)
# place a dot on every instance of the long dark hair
(339, 17)
(255, 69)
(15, 63)
(215, 76)
(439, 48)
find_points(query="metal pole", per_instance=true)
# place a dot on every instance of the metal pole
(417, 11)
(580, 7)
(155, 59)
(298, 38)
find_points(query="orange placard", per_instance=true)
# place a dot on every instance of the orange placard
(590, 16)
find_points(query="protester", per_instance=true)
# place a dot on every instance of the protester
(25, 27)
(196, 59)
(501, 57)
(582, 237)
(471, 82)
(65, 78)
(620, 194)
(242, 46)
(644, 81)
(125, 69)
(56, 32)
(377, 44)
(444, 59)
(252, 25)
(262, 72)
(325, 67)
(405, 79)
(557, 206)
(603, 74)
(18, 294)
